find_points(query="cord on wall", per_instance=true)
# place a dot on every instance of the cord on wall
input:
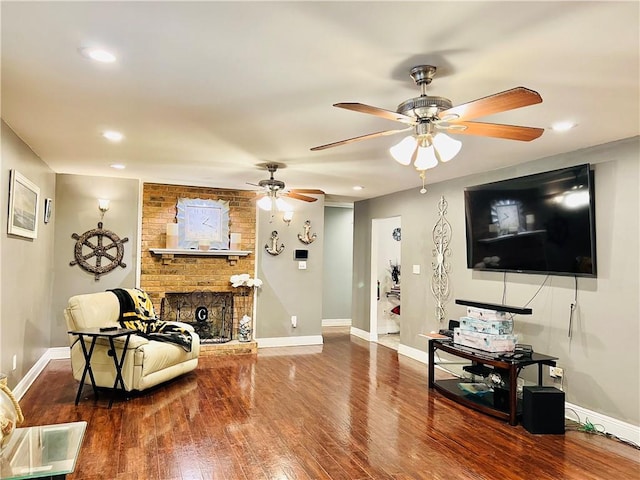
(573, 305)
(537, 291)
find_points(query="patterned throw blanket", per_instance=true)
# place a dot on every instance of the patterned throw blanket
(137, 313)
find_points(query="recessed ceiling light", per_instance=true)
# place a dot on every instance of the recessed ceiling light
(118, 166)
(563, 126)
(112, 135)
(98, 54)
(358, 187)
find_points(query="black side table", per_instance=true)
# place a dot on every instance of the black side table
(94, 334)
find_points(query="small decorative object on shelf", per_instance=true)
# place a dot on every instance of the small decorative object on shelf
(394, 268)
(306, 237)
(274, 249)
(246, 286)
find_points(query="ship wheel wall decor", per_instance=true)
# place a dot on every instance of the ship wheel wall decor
(89, 251)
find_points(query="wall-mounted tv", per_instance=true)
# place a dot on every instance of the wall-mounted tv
(542, 223)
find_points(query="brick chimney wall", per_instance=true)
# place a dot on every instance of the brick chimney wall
(188, 273)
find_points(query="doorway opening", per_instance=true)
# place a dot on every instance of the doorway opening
(385, 312)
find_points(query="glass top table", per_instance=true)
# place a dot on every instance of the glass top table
(44, 451)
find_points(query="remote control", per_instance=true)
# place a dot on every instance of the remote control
(108, 329)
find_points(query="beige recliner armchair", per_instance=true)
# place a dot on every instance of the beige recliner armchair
(147, 362)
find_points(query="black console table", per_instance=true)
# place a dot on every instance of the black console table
(501, 403)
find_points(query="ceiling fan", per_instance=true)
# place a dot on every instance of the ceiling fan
(273, 190)
(429, 117)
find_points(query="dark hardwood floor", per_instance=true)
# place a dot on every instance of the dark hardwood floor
(348, 410)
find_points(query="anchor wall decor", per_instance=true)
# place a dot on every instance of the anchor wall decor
(273, 248)
(306, 237)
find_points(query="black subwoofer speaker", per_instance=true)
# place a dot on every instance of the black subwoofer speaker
(543, 409)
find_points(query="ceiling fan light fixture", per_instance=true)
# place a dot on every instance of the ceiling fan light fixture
(446, 146)
(283, 206)
(265, 203)
(403, 151)
(425, 158)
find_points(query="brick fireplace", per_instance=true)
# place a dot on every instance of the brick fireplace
(185, 274)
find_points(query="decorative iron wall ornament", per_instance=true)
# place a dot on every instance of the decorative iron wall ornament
(440, 279)
(96, 249)
(306, 237)
(273, 248)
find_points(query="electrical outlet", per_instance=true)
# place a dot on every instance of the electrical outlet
(15, 362)
(556, 372)
(294, 321)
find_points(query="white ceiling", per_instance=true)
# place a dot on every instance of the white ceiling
(206, 92)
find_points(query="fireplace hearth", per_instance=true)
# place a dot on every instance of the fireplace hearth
(210, 313)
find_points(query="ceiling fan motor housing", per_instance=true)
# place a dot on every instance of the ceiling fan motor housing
(272, 184)
(424, 106)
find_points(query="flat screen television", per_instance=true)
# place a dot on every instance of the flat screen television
(542, 223)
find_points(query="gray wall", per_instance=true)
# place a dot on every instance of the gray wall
(288, 291)
(26, 281)
(338, 258)
(602, 358)
(76, 211)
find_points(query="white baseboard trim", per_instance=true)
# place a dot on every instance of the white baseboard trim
(59, 353)
(416, 354)
(611, 425)
(369, 337)
(336, 322)
(289, 341)
(23, 385)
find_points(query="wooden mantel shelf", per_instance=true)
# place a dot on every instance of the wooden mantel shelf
(168, 254)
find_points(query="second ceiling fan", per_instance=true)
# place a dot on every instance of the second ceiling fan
(430, 116)
(273, 190)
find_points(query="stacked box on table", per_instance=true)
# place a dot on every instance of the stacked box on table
(487, 314)
(497, 327)
(485, 341)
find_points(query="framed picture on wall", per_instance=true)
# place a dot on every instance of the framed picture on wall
(24, 200)
(48, 205)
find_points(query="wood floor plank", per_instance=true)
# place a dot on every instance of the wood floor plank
(349, 410)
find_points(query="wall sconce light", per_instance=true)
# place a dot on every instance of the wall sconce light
(103, 206)
(287, 217)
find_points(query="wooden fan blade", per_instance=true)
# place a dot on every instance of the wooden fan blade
(499, 102)
(297, 196)
(509, 132)
(363, 137)
(378, 112)
(307, 190)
